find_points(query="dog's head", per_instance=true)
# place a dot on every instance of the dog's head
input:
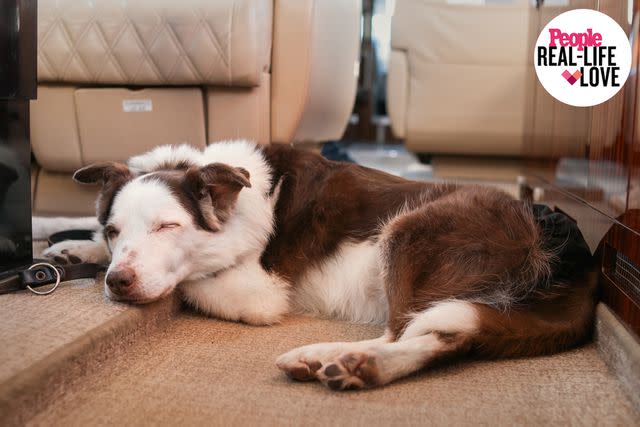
(159, 226)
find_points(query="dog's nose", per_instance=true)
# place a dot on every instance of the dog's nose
(120, 280)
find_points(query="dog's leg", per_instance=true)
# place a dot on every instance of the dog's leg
(448, 328)
(245, 293)
(77, 251)
(440, 331)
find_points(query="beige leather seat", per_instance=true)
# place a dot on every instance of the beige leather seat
(461, 78)
(119, 77)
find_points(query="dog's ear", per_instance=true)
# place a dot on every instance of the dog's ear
(112, 176)
(219, 185)
(102, 173)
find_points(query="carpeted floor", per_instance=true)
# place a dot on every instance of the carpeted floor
(48, 342)
(208, 372)
(35, 326)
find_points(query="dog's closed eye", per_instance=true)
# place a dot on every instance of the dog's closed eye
(166, 226)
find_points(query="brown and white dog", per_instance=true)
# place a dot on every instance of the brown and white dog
(250, 233)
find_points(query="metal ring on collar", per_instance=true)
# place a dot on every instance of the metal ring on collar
(48, 291)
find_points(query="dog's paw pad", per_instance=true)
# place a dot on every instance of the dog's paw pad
(65, 253)
(351, 371)
(301, 370)
(332, 370)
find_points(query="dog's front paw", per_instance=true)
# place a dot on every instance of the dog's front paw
(76, 252)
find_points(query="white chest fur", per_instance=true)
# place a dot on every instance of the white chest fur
(347, 286)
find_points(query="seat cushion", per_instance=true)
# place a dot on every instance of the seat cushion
(154, 42)
(73, 127)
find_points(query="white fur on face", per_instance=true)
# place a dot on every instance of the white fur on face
(159, 257)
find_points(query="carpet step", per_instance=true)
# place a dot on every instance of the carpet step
(49, 343)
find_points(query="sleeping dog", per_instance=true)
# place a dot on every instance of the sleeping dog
(250, 233)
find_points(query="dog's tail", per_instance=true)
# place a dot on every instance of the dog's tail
(43, 227)
(553, 308)
(547, 324)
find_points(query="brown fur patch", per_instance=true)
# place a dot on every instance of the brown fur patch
(177, 165)
(545, 324)
(221, 183)
(113, 176)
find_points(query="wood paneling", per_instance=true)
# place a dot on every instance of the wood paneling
(594, 172)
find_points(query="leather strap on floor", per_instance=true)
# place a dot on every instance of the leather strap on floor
(42, 274)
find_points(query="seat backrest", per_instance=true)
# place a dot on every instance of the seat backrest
(459, 75)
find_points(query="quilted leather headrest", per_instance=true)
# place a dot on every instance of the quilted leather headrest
(154, 42)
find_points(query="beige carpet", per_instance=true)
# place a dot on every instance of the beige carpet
(201, 371)
(34, 326)
(48, 342)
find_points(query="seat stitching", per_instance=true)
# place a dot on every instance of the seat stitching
(204, 25)
(109, 53)
(216, 43)
(45, 61)
(74, 50)
(115, 41)
(183, 53)
(145, 53)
